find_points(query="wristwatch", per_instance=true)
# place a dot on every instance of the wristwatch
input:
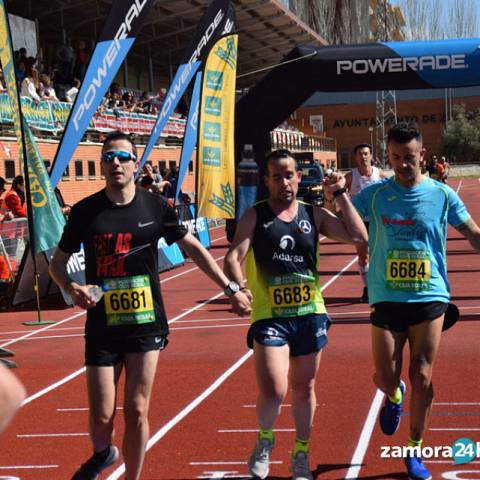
(231, 289)
(339, 192)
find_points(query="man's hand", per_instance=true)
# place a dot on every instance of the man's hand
(332, 183)
(80, 296)
(241, 303)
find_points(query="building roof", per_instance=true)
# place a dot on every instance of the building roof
(268, 31)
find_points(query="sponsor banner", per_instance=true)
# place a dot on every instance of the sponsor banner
(216, 162)
(190, 138)
(119, 34)
(169, 256)
(197, 227)
(218, 19)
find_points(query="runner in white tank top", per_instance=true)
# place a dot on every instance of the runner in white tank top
(356, 180)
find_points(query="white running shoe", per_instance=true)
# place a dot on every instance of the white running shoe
(300, 467)
(258, 463)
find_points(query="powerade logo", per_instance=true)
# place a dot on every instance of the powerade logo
(399, 65)
(177, 89)
(107, 61)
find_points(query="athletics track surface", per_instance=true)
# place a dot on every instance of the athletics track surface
(202, 417)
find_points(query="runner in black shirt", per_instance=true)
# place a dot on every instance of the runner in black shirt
(120, 227)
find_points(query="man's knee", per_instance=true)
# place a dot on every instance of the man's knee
(420, 373)
(136, 411)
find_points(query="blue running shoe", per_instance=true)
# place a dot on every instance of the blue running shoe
(416, 470)
(391, 412)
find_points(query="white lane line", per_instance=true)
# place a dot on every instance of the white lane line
(364, 440)
(253, 430)
(346, 267)
(254, 406)
(41, 435)
(189, 408)
(199, 320)
(187, 271)
(48, 327)
(459, 185)
(456, 403)
(462, 429)
(204, 327)
(53, 386)
(218, 239)
(277, 462)
(79, 409)
(19, 467)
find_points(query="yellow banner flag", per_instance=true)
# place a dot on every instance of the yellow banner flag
(216, 152)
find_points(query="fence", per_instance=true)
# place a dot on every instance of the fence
(13, 239)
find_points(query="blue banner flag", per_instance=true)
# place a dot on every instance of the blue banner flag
(190, 136)
(119, 34)
(218, 19)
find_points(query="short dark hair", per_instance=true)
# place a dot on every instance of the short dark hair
(118, 135)
(146, 181)
(360, 146)
(18, 180)
(277, 155)
(404, 132)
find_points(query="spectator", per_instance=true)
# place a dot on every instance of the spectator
(15, 198)
(20, 72)
(81, 61)
(170, 190)
(4, 213)
(446, 169)
(45, 89)
(127, 103)
(71, 94)
(144, 104)
(30, 85)
(66, 58)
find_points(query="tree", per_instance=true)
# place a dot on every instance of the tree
(461, 138)
(434, 20)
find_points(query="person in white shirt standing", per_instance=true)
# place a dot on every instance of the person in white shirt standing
(357, 179)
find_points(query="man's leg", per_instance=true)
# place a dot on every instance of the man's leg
(362, 252)
(387, 349)
(424, 340)
(139, 374)
(303, 371)
(271, 368)
(102, 390)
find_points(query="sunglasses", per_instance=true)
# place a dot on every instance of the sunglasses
(123, 157)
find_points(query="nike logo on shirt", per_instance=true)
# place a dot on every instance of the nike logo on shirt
(146, 224)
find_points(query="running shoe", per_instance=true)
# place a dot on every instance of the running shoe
(364, 297)
(259, 461)
(391, 413)
(301, 467)
(416, 470)
(95, 464)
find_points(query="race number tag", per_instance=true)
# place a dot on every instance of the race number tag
(408, 270)
(128, 301)
(292, 295)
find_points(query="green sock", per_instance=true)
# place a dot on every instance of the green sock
(397, 397)
(414, 443)
(301, 446)
(268, 434)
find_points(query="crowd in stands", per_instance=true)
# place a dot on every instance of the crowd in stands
(61, 82)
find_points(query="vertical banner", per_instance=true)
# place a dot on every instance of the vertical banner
(45, 219)
(218, 19)
(118, 35)
(216, 152)
(191, 134)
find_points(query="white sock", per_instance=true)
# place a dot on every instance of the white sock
(363, 273)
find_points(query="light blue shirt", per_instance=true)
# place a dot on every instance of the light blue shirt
(407, 239)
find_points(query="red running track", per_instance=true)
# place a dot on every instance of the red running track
(202, 417)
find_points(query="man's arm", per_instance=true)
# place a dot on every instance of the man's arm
(471, 232)
(59, 274)
(12, 394)
(238, 250)
(350, 227)
(206, 263)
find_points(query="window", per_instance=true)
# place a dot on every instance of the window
(91, 169)
(9, 169)
(66, 173)
(190, 167)
(344, 159)
(172, 165)
(162, 165)
(78, 169)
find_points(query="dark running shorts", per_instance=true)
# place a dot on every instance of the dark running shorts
(110, 353)
(304, 335)
(398, 316)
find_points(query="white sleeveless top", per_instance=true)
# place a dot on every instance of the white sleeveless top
(359, 182)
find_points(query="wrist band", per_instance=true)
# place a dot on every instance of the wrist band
(339, 192)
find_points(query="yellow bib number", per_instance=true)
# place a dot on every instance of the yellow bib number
(128, 301)
(292, 295)
(408, 270)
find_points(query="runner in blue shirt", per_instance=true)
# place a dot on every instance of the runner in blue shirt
(407, 280)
